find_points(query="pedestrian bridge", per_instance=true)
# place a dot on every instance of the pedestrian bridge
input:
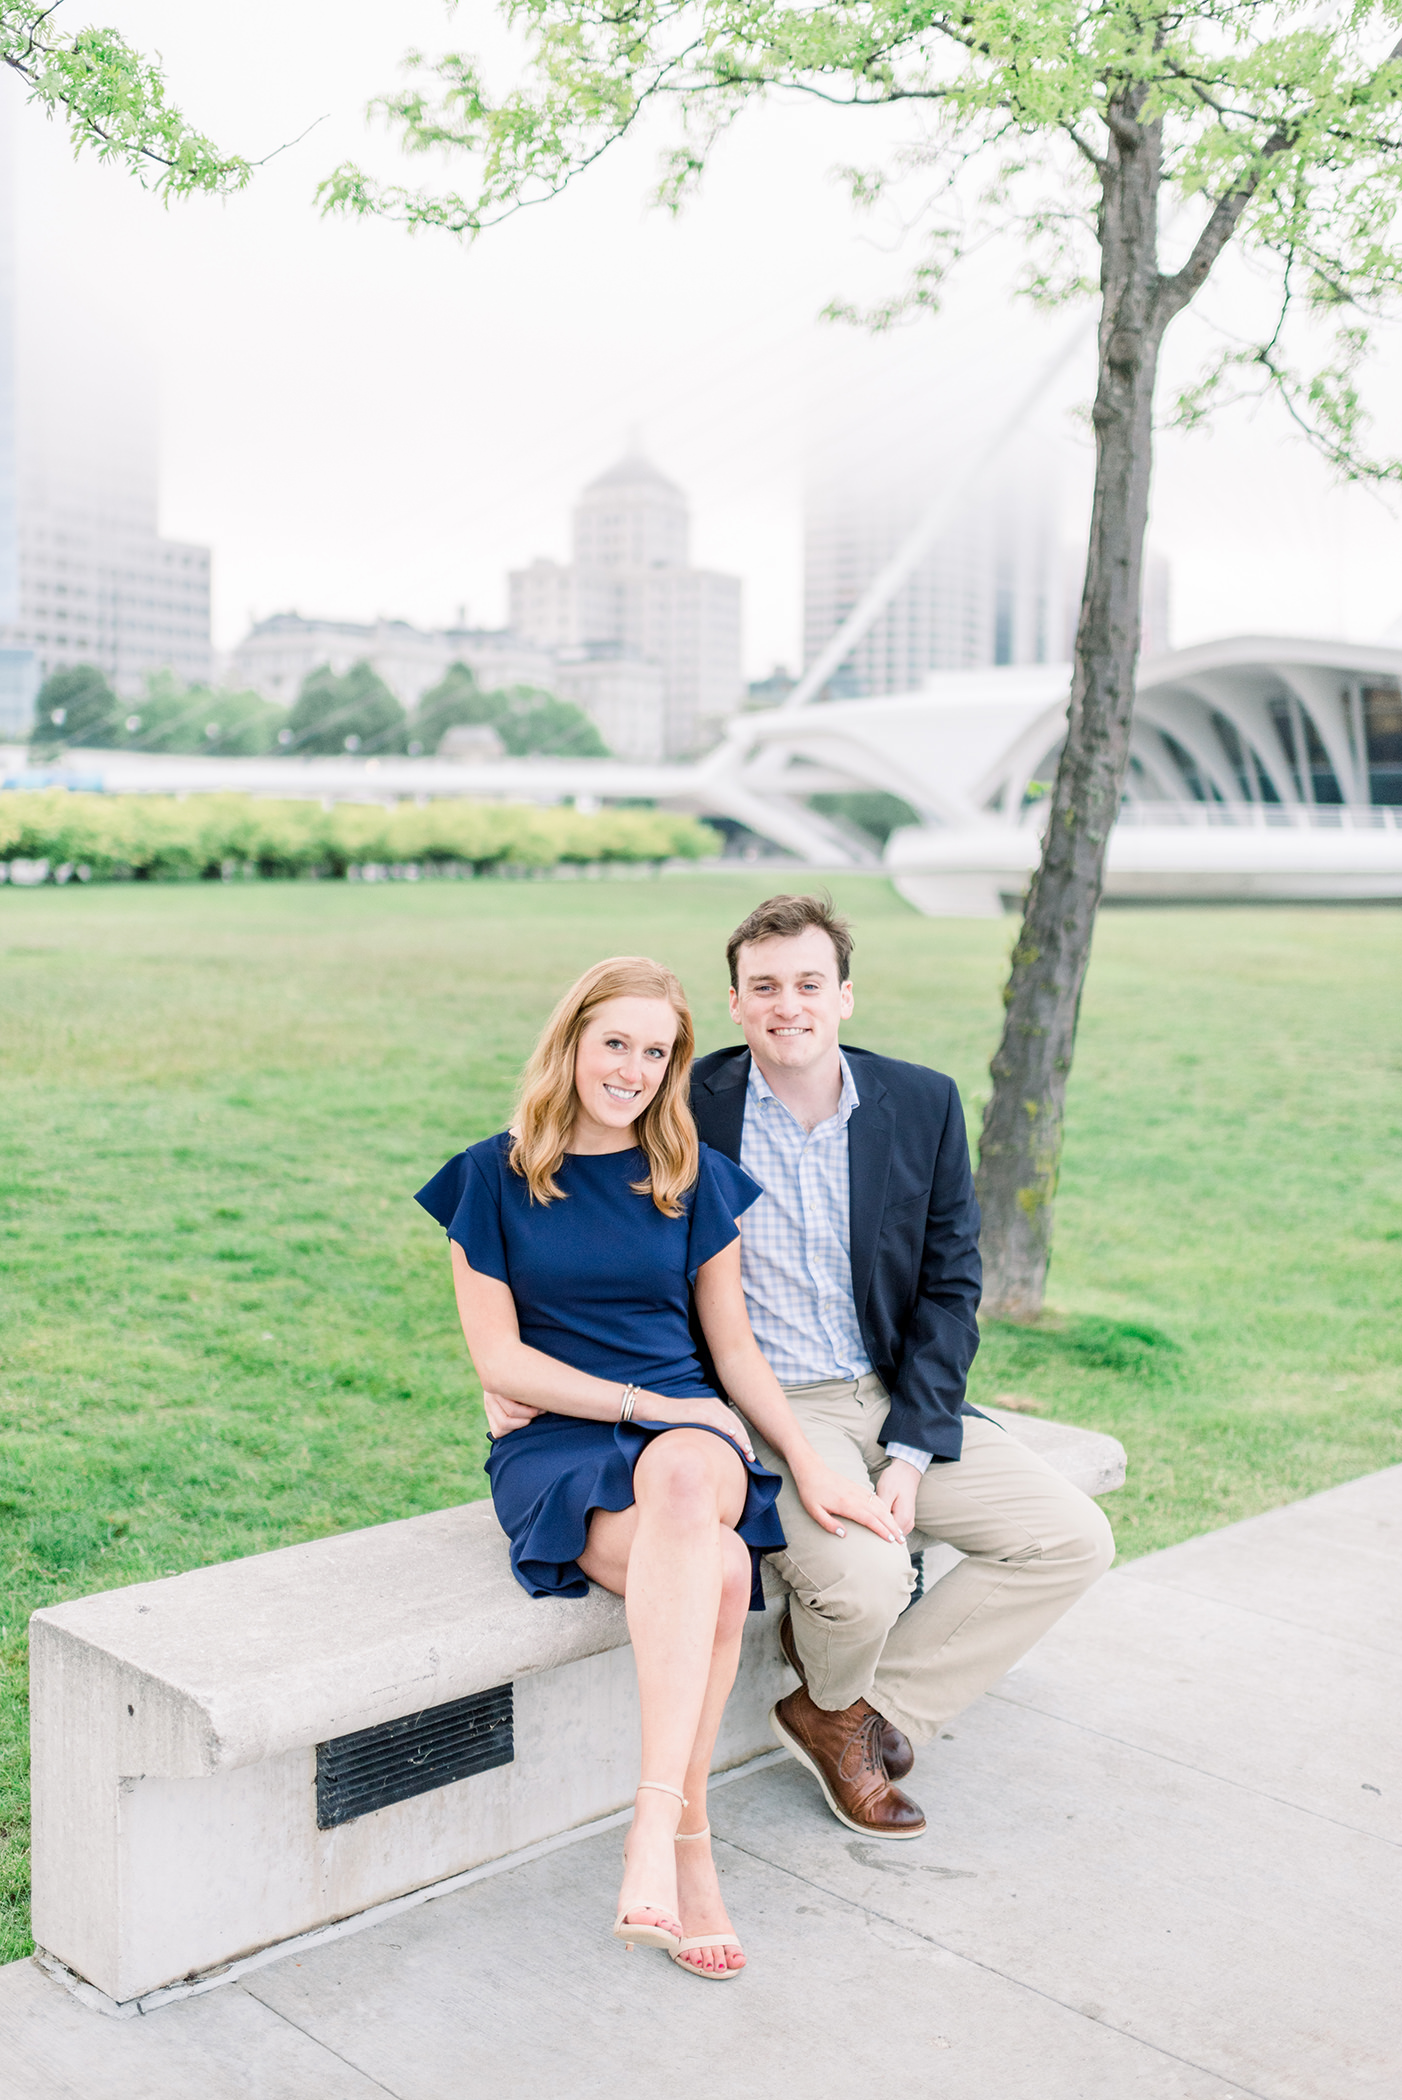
(1260, 767)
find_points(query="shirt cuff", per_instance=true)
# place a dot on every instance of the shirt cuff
(912, 1457)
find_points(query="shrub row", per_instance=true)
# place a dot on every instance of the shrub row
(169, 839)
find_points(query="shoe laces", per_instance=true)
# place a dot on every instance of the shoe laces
(866, 1742)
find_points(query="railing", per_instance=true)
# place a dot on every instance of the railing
(1262, 816)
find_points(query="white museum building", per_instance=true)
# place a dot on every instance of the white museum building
(1264, 768)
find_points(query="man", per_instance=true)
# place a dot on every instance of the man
(861, 1272)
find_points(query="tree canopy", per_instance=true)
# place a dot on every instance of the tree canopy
(457, 699)
(1275, 122)
(526, 719)
(529, 720)
(113, 101)
(354, 712)
(172, 716)
(77, 706)
(234, 724)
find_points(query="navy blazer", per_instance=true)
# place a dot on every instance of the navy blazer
(916, 1274)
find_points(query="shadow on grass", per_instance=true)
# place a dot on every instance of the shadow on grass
(1083, 1342)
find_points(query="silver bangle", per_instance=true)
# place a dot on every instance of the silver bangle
(625, 1405)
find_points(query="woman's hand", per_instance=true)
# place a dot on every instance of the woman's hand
(829, 1496)
(504, 1415)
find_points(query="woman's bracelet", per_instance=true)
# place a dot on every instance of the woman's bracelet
(625, 1405)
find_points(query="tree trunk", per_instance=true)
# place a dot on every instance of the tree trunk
(1020, 1151)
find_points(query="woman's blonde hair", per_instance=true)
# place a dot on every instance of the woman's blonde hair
(547, 1104)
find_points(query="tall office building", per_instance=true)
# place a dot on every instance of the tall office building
(1001, 585)
(85, 577)
(17, 681)
(629, 607)
(992, 590)
(97, 583)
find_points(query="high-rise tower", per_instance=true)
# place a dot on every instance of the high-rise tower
(994, 589)
(1001, 585)
(85, 577)
(17, 669)
(631, 600)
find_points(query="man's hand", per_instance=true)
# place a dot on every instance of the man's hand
(896, 1488)
(504, 1415)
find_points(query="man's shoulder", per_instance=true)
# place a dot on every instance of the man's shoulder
(725, 1067)
(909, 1082)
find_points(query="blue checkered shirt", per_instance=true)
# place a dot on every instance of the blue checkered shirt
(796, 1242)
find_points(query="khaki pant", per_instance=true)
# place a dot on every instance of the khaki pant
(1032, 1545)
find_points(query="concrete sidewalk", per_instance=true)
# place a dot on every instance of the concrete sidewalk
(1162, 1865)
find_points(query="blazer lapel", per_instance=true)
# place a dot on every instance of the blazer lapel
(721, 1120)
(871, 1133)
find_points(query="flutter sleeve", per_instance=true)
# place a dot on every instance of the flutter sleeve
(466, 1201)
(723, 1193)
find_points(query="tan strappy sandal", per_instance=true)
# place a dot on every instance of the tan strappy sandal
(648, 1935)
(705, 1939)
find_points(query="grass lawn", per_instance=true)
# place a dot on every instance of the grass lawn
(226, 1326)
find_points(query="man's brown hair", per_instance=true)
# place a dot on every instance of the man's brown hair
(780, 918)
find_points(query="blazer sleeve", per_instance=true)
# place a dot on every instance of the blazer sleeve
(941, 1332)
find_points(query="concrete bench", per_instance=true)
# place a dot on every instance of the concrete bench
(227, 1759)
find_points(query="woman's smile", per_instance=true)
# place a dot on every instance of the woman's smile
(620, 1062)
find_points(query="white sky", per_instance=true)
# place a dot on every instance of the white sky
(361, 421)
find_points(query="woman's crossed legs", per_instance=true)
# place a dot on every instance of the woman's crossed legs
(676, 1559)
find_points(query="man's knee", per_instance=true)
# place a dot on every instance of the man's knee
(1100, 1541)
(862, 1588)
(1089, 1543)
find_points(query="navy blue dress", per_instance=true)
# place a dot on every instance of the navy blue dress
(600, 1278)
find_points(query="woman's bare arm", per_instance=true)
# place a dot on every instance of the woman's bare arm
(747, 1378)
(507, 1365)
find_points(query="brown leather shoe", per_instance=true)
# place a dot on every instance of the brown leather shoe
(843, 1752)
(896, 1752)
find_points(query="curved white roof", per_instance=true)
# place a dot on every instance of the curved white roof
(1243, 732)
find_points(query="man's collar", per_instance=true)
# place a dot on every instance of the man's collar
(850, 1098)
(847, 1100)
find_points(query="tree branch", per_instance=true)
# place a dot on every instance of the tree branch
(1097, 160)
(114, 101)
(1174, 293)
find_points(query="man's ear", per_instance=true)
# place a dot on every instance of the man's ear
(846, 1000)
(734, 1005)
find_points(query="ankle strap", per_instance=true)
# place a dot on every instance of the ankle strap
(685, 1837)
(659, 1786)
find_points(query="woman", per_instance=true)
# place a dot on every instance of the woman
(574, 1237)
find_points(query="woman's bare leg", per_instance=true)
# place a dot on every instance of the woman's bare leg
(667, 1557)
(698, 1888)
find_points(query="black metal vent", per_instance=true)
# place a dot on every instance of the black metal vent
(399, 1759)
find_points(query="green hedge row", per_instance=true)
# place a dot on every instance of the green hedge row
(170, 839)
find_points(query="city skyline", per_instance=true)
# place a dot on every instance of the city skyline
(369, 425)
(645, 644)
(630, 597)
